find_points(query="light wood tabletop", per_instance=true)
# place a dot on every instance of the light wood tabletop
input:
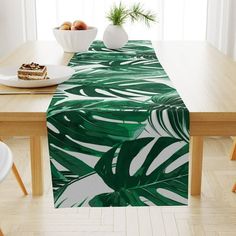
(204, 78)
(25, 115)
(206, 81)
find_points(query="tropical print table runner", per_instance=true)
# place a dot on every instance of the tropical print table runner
(118, 132)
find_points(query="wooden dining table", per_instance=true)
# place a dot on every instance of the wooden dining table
(204, 78)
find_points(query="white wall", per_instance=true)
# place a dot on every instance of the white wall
(178, 19)
(232, 31)
(221, 27)
(12, 26)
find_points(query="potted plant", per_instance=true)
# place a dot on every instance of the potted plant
(115, 36)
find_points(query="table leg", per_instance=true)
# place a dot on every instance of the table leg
(196, 164)
(36, 165)
(233, 151)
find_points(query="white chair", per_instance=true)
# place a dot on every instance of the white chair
(6, 164)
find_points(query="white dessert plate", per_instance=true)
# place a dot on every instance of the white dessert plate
(56, 74)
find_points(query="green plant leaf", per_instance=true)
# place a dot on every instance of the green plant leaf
(61, 179)
(172, 121)
(137, 13)
(75, 165)
(76, 169)
(103, 128)
(169, 99)
(118, 15)
(150, 178)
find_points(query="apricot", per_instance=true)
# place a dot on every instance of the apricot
(79, 25)
(64, 27)
(67, 23)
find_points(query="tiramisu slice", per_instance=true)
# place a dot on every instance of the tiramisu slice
(32, 71)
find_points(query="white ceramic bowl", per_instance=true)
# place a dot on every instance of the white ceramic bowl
(75, 40)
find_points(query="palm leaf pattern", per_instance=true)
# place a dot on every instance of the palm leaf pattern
(118, 131)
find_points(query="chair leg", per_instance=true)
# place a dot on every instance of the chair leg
(19, 180)
(234, 188)
(233, 151)
(1, 233)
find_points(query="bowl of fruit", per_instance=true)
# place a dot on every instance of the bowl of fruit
(76, 36)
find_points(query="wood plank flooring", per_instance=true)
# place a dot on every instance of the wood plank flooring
(212, 214)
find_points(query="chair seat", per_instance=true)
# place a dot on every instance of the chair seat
(6, 160)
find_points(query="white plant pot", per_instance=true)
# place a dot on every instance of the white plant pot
(115, 37)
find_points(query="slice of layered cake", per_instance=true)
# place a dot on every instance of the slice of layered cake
(32, 71)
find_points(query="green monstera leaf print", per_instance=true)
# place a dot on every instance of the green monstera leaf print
(172, 122)
(141, 180)
(146, 171)
(118, 131)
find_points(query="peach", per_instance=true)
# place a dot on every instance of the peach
(79, 25)
(64, 27)
(67, 23)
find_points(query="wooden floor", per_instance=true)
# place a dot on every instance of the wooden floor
(213, 214)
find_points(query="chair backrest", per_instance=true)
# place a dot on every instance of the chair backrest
(5, 160)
